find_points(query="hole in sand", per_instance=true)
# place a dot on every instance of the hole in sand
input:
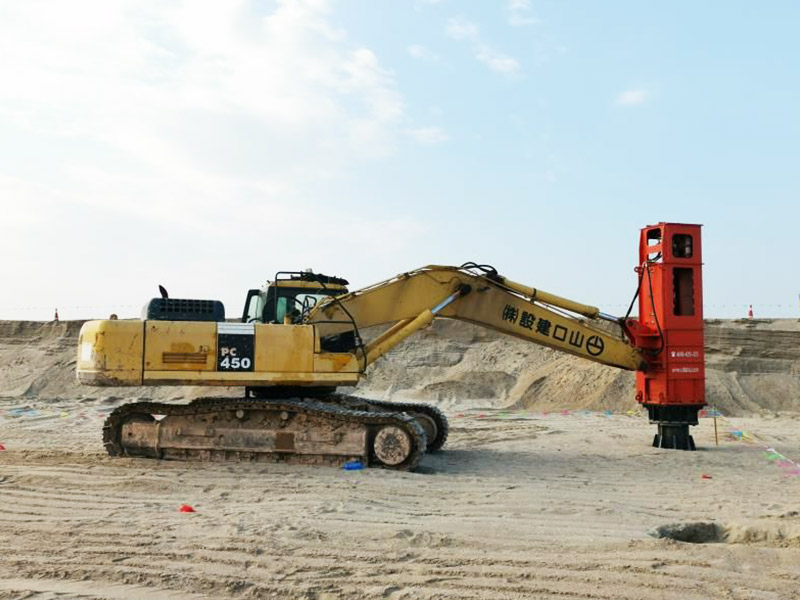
(700, 532)
(707, 532)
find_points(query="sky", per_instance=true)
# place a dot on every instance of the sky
(205, 145)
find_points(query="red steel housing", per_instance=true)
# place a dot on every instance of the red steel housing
(670, 325)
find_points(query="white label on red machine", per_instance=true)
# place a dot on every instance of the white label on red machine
(684, 354)
(685, 369)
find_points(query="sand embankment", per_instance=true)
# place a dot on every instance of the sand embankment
(753, 367)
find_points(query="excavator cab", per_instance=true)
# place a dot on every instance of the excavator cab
(290, 296)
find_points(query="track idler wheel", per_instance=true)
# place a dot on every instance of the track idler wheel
(392, 446)
(429, 418)
(429, 426)
(114, 436)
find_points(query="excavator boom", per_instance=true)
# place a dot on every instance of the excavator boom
(413, 299)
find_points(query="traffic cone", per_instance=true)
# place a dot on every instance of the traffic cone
(750, 312)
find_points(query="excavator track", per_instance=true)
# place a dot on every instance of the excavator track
(290, 431)
(432, 420)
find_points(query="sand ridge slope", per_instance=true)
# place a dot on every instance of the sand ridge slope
(752, 367)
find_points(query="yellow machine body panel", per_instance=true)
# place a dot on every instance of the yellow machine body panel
(223, 378)
(110, 353)
(335, 362)
(130, 353)
(285, 348)
(180, 346)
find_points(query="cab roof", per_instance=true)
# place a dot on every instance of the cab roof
(292, 283)
(308, 280)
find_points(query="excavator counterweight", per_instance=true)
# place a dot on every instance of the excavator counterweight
(300, 338)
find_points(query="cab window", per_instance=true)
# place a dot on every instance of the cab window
(280, 308)
(285, 305)
(255, 309)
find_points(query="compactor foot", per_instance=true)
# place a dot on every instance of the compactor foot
(674, 437)
(673, 425)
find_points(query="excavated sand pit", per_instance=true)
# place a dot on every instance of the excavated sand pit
(521, 504)
(709, 532)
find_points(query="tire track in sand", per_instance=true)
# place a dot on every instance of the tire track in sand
(551, 521)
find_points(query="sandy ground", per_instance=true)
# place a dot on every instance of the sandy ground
(520, 505)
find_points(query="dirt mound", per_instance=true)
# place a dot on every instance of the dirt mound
(752, 367)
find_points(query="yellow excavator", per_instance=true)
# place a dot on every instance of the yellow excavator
(300, 338)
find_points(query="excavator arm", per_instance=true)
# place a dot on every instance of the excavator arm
(476, 294)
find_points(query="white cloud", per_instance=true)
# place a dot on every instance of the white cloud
(520, 14)
(163, 88)
(421, 52)
(495, 60)
(429, 135)
(461, 29)
(632, 97)
(154, 132)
